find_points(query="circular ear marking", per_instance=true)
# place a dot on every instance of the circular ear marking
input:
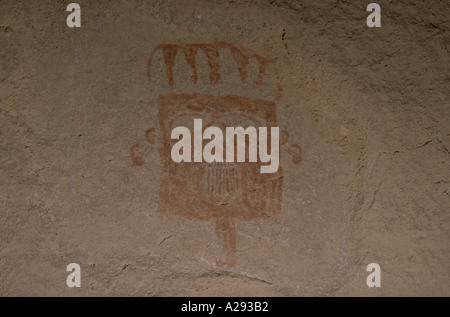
(149, 137)
(296, 152)
(135, 159)
(284, 137)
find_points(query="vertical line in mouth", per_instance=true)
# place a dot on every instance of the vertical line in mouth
(228, 181)
(221, 181)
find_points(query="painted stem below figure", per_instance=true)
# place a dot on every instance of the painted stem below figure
(226, 234)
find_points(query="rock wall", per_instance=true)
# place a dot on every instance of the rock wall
(364, 178)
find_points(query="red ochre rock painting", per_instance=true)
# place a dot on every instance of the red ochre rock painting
(219, 192)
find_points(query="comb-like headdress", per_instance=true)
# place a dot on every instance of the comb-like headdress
(210, 68)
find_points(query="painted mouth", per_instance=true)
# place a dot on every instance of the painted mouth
(223, 180)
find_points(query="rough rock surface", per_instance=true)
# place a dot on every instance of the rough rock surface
(369, 108)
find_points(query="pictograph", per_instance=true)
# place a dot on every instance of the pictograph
(220, 192)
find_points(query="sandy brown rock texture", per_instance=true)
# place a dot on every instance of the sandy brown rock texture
(86, 177)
